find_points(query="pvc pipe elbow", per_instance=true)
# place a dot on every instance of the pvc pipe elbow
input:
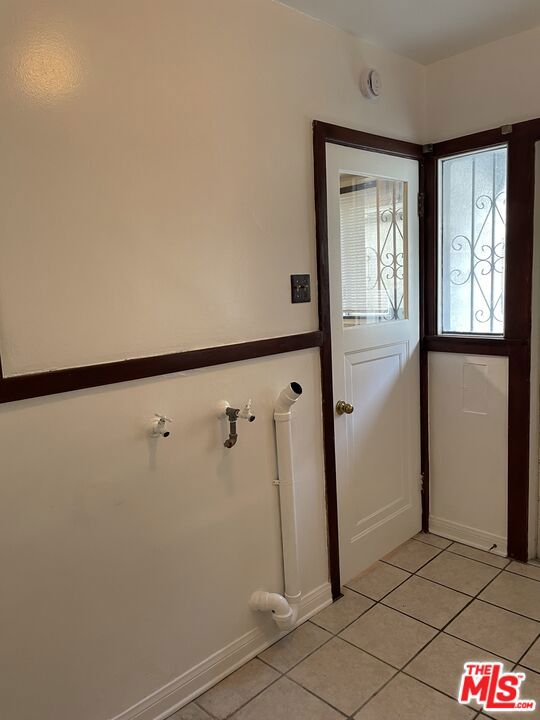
(283, 613)
(286, 399)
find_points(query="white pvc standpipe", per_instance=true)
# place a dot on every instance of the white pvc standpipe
(287, 500)
(285, 609)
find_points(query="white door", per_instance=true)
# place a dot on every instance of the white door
(374, 296)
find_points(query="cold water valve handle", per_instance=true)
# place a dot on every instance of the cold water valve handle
(160, 426)
(246, 413)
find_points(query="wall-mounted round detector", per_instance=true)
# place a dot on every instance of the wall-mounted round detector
(370, 83)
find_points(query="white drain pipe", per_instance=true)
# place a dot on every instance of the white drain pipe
(285, 608)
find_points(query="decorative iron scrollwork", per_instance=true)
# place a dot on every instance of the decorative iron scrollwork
(485, 260)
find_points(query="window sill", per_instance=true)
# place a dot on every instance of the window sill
(471, 344)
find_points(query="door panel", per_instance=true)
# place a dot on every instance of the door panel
(376, 437)
(373, 262)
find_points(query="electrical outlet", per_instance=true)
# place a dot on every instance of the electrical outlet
(300, 288)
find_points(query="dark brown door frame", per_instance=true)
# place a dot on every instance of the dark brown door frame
(324, 133)
(516, 343)
(521, 139)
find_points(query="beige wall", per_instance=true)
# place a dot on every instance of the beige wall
(164, 163)
(489, 86)
(161, 166)
(171, 186)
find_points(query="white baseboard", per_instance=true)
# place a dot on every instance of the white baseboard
(467, 535)
(163, 702)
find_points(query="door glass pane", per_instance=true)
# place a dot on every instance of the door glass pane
(373, 214)
(472, 240)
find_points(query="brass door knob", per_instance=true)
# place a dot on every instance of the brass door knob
(344, 407)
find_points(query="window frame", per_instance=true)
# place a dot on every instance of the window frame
(515, 344)
(439, 259)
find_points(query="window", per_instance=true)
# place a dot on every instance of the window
(472, 241)
(373, 249)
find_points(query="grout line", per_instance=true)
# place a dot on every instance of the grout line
(426, 542)
(520, 660)
(267, 663)
(438, 690)
(483, 562)
(336, 634)
(387, 562)
(379, 690)
(501, 607)
(171, 717)
(375, 657)
(403, 670)
(305, 657)
(402, 612)
(448, 550)
(386, 594)
(274, 681)
(520, 574)
(499, 571)
(439, 631)
(311, 692)
(440, 584)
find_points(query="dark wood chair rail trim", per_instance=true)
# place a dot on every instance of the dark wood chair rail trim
(21, 387)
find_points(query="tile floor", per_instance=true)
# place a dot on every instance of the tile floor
(394, 646)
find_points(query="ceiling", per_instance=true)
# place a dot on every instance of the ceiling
(425, 30)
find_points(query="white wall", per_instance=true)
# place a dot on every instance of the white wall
(468, 411)
(127, 560)
(174, 173)
(156, 193)
(489, 86)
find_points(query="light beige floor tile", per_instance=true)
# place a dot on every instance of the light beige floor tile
(411, 555)
(407, 699)
(343, 612)
(480, 555)
(378, 580)
(190, 712)
(435, 540)
(525, 569)
(389, 635)
(426, 601)
(494, 629)
(532, 658)
(295, 646)
(342, 675)
(233, 692)
(285, 700)
(440, 664)
(516, 593)
(459, 573)
(529, 690)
